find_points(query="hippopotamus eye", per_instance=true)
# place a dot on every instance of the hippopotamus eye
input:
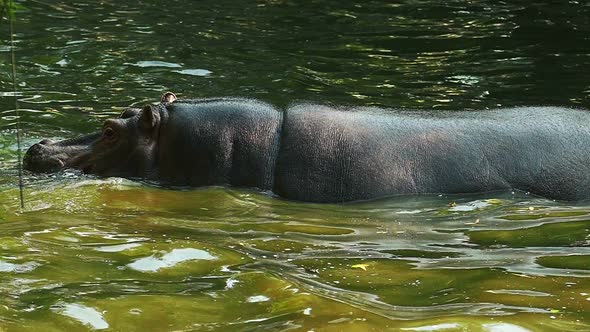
(108, 133)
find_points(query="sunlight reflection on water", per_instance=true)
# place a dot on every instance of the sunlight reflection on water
(170, 259)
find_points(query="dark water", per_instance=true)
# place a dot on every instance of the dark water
(112, 254)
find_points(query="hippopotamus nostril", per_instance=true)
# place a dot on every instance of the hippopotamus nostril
(35, 149)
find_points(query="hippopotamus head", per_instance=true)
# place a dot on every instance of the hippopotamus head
(125, 146)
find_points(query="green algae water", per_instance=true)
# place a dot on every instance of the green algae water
(117, 255)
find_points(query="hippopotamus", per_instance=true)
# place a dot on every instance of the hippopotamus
(321, 153)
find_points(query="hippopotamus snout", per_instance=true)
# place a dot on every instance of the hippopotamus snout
(49, 156)
(40, 159)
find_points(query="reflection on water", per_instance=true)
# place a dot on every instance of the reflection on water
(113, 254)
(85, 315)
(176, 256)
(110, 253)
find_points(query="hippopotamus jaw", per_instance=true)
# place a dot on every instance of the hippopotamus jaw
(48, 156)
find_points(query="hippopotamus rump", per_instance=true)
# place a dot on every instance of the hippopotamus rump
(320, 153)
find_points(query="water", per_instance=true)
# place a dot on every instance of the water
(111, 254)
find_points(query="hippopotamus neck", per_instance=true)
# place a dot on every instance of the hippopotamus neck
(218, 142)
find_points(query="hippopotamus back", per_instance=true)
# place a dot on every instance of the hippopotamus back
(331, 154)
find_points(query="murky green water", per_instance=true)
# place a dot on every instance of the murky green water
(91, 253)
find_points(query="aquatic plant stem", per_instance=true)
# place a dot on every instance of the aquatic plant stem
(16, 111)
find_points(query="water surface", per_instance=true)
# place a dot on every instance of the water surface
(112, 254)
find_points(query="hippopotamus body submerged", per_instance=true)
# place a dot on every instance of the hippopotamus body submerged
(320, 153)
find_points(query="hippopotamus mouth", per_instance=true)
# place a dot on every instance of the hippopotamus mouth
(48, 156)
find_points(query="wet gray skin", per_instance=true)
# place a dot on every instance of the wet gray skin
(320, 153)
(117, 150)
(219, 141)
(48, 156)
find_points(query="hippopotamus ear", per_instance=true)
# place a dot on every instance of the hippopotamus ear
(168, 97)
(149, 118)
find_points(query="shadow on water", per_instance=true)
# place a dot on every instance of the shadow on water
(113, 254)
